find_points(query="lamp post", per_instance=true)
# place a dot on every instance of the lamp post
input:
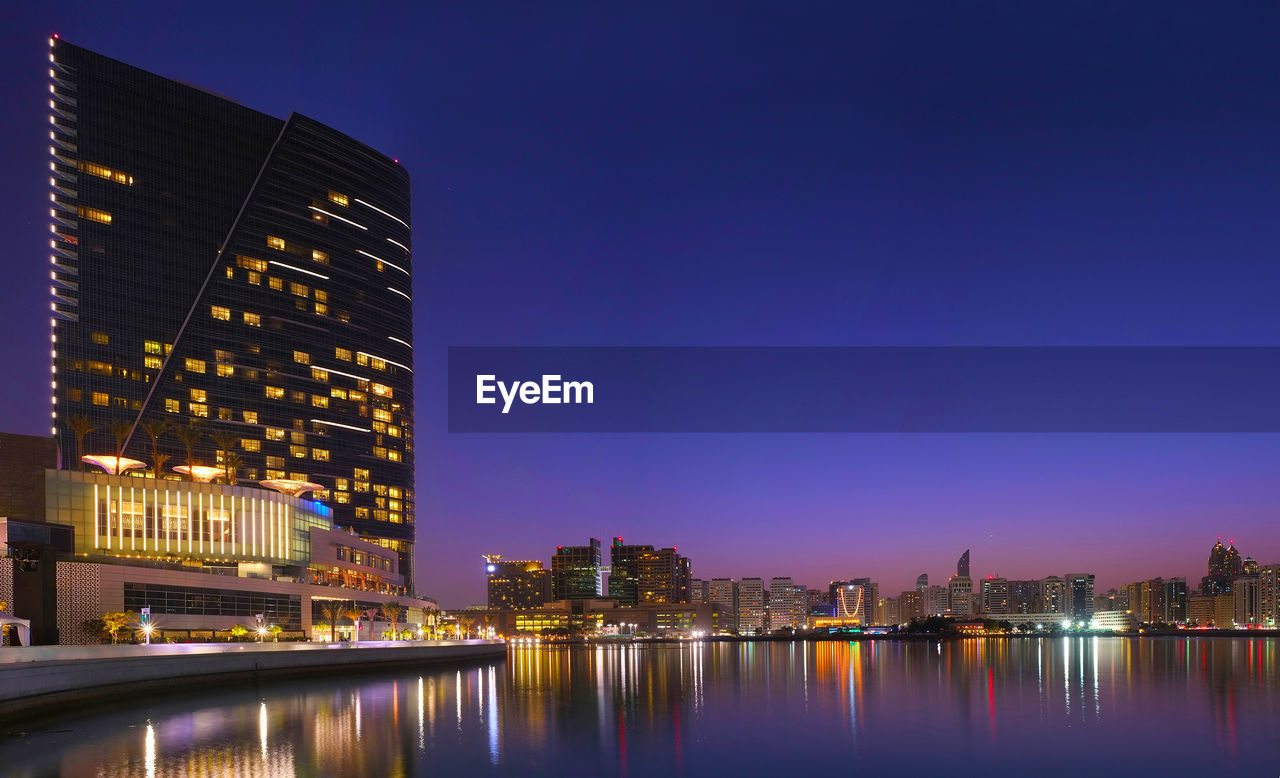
(262, 626)
(146, 625)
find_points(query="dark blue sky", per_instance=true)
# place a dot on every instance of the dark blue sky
(769, 174)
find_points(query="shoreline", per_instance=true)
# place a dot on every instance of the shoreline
(43, 682)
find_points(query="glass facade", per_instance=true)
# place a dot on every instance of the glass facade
(127, 516)
(284, 610)
(215, 265)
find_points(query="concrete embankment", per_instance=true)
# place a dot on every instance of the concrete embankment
(44, 677)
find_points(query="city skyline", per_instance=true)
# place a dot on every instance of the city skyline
(742, 190)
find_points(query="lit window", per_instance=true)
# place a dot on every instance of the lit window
(249, 444)
(357, 396)
(378, 364)
(276, 243)
(195, 365)
(319, 374)
(320, 454)
(274, 392)
(254, 278)
(226, 371)
(362, 359)
(100, 398)
(94, 214)
(249, 263)
(396, 492)
(220, 313)
(298, 289)
(338, 197)
(322, 295)
(342, 497)
(275, 433)
(298, 452)
(319, 401)
(151, 363)
(362, 513)
(393, 455)
(361, 472)
(381, 390)
(379, 427)
(222, 355)
(151, 347)
(379, 515)
(224, 414)
(107, 173)
(250, 417)
(100, 338)
(275, 283)
(171, 405)
(380, 452)
(298, 437)
(320, 256)
(302, 357)
(343, 354)
(272, 474)
(360, 486)
(252, 319)
(322, 309)
(231, 272)
(381, 415)
(393, 431)
(199, 395)
(340, 484)
(340, 394)
(198, 409)
(99, 368)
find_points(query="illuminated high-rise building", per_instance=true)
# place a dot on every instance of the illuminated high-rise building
(624, 571)
(212, 265)
(962, 565)
(1078, 596)
(750, 605)
(576, 572)
(723, 593)
(515, 584)
(1225, 566)
(995, 595)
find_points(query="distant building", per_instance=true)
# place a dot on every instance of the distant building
(576, 572)
(1200, 610)
(889, 611)
(664, 576)
(1245, 594)
(910, 605)
(785, 608)
(1175, 601)
(995, 595)
(750, 605)
(624, 571)
(517, 584)
(1269, 594)
(1053, 591)
(1024, 596)
(922, 582)
(936, 601)
(699, 590)
(1225, 566)
(962, 565)
(960, 592)
(1113, 620)
(1078, 591)
(723, 593)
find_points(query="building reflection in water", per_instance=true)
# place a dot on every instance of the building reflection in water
(695, 708)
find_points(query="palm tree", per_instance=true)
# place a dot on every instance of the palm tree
(190, 434)
(156, 429)
(233, 463)
(80, 426)
(121, 430)
(331, 611)
(225, 441)
(465, 623)
(352, 611)
(393, 611)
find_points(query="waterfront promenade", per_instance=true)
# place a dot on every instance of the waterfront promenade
(33, 678)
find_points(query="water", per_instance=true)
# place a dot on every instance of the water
(1064, 706)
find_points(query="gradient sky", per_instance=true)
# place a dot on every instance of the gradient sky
(768, 174)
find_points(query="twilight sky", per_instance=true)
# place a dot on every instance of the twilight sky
(768, 174)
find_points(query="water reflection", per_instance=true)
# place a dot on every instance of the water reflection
(1185, 705)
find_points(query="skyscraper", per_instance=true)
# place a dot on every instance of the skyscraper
(624, 571)
(750, 605)
(664, 576)
(962, 565)
(576, 571)
(217, 266)
(1078, 589)
(1225, 566)
(995, 595)
(786, 608)
(1053, 592)
(922, 582)
(517, 584)
(723, 592)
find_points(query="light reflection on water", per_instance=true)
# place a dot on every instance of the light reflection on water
(1060, 705)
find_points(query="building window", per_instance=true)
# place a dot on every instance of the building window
(343, 354)
(275, 462)
(251, 417)
(199, 395)
(198, 409)
(381, 415)
(298, 452)
(276, 243)
(361, 472)
(101, 398)
(195, 365)
(338, 197)
(106, 172)
(320, 256)
(222, 355)
(319, 401)
(382, 390)
(319, 374)
(302, 357)
(275, 283)
(224, 414)
(297, 396)
(151, 346)
(252, 319)
(320, 454)
(298, 289)
(362, 513)
(340, 394)
(340, 484)
(249, 444)
(94, 214)
(172, 406)
(380, 452)
(274, 392)
(393, 455)
(99, 368)
(220, 313)
(362, 358)
(100, 338)
(275, 433)
(342, 497)
(231, 272)
(254, 278)
(249, 263)
(226, 371)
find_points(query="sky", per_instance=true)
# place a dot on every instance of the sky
(768, 174)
